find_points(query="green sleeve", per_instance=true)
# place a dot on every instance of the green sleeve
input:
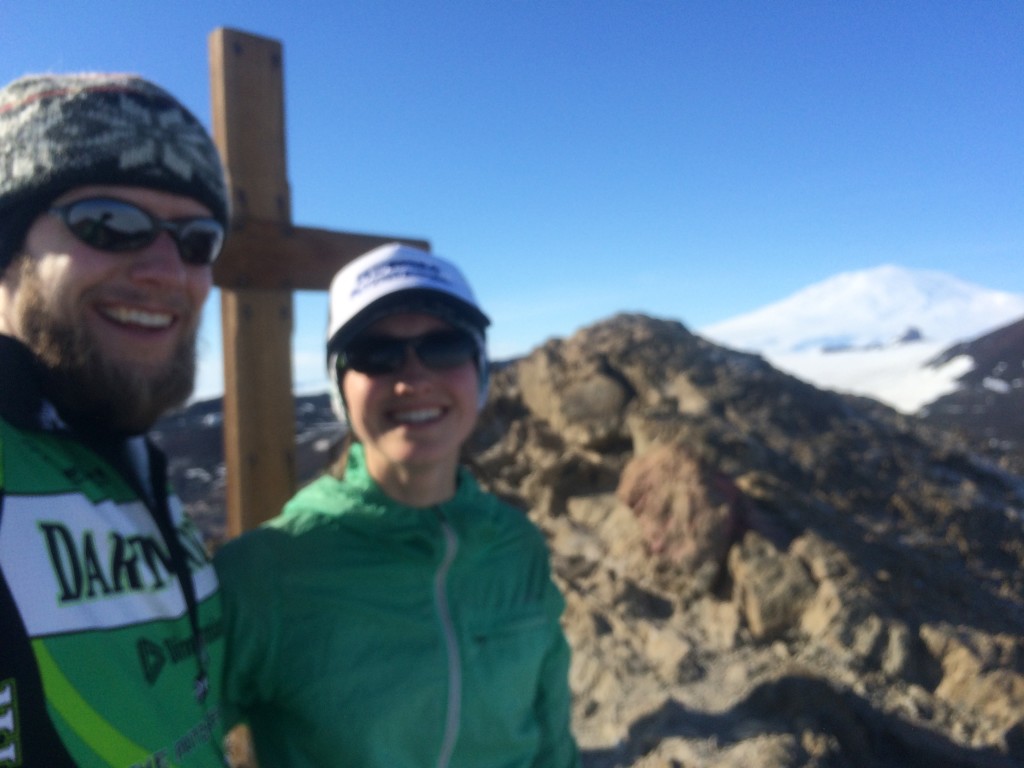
(554, 699)
(251, 615)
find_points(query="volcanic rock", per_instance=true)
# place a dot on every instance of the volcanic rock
(759, 573)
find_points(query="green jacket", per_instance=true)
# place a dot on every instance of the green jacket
(98, 663)
(365, 633)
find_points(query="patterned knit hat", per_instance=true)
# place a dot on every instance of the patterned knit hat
(58, 132)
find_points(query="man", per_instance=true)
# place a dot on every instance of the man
(112, 209)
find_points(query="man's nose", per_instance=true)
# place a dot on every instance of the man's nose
(160, 261)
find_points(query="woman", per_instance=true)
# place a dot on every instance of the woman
(394, 614)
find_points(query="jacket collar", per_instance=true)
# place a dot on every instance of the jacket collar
(22, 403)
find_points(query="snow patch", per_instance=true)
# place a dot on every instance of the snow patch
(873, 332)
(996, 385)
(897, 376)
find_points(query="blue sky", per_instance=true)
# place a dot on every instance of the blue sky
(691, 160)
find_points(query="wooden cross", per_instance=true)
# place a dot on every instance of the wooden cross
(265, 258)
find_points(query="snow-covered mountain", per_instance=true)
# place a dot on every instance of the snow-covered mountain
(873, 332)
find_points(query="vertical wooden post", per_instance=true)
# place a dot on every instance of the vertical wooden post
(265, 258)
(248, 126)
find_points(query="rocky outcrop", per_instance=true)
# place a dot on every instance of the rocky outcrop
(759, 573)
(987, 408)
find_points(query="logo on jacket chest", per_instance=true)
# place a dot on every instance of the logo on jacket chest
(99, 564)
(84, 569)
(89, 564)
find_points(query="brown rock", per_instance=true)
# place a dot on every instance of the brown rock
(689, 514)
(770, 587)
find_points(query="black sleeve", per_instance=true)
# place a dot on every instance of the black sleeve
(27, 735)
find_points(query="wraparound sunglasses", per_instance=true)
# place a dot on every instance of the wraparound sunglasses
(380, 355)
(107, 224)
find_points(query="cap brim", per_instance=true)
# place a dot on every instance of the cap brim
(443, 305)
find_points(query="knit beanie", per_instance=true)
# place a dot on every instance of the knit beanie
(58, 132)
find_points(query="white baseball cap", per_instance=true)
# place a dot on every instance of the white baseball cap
(398, 278)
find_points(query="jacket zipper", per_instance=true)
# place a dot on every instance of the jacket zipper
(453, 715)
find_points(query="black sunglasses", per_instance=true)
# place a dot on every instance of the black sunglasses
(379, 355)
(107, 224)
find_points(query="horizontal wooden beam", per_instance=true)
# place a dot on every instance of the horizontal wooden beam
(271, 255)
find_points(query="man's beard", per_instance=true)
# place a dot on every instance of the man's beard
(90, 391)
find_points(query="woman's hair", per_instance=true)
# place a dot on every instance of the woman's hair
(339, 456)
